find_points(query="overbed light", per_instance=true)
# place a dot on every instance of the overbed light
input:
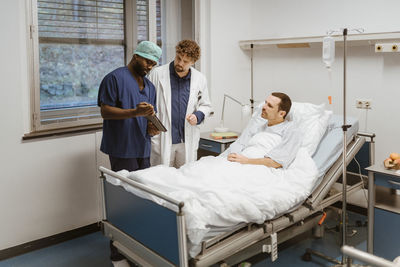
(246, 111)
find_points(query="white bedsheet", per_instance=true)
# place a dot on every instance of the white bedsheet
(220, 193)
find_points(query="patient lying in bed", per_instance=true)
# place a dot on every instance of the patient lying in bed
(221, 193)
(278, 142)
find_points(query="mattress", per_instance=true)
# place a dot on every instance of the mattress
(331, 145)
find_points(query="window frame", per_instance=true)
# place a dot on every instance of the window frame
(52, 124)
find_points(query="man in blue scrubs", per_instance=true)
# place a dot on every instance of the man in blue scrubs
(126, 96)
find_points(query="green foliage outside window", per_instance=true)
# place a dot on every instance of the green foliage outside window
(70, 74)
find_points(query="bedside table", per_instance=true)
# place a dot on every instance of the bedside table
(211, 147)
(383, 211)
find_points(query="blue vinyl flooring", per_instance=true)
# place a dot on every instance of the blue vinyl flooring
(86, 251)
(292, 251)
(93, 250)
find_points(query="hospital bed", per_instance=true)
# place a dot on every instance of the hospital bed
(154, 235)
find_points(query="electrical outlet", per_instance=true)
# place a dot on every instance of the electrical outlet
(367, 104)
(363, 103)
(387, 47)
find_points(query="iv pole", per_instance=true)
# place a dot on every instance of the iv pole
(251, 79)
(344, 128)
(344, 154)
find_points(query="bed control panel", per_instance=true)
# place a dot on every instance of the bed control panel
(274, 244)
(272, 248)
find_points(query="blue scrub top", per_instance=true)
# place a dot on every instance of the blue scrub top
(125, 138)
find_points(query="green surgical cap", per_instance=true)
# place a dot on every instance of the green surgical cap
(148, 50)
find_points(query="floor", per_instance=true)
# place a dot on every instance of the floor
(89, 250)
(290, 253)
(93, 249)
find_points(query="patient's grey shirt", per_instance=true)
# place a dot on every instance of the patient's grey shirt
(285, 152)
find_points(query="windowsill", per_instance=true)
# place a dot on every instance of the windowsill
(62, 132)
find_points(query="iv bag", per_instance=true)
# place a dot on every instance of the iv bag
(328, 51)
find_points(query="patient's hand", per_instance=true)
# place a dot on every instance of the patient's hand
(234, 157)
(261, 161)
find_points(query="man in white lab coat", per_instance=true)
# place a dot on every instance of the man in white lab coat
(182, 104)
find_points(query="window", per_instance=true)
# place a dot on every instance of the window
(75, 43)
(142, 20)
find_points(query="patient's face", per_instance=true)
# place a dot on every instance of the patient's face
(270, 109)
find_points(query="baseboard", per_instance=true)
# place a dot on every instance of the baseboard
(49, 241)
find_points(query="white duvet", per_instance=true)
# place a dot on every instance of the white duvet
(217, 192)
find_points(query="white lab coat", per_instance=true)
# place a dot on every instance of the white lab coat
(198, 100)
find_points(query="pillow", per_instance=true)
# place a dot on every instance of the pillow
(312, 120)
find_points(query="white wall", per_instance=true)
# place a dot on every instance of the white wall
(227, 67)
(171, 28)
(281, 18)
(49, 185)
(300, 71)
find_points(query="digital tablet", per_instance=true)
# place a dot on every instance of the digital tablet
(156, 121)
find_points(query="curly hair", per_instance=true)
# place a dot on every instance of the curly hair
(189, 48)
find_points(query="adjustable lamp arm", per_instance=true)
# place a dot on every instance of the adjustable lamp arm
(245, 110)
(223, 105)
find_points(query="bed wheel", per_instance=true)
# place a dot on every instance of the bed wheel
(306, 256)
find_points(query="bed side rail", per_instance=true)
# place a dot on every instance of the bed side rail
(369, 135)
(141, 187)
(303, 212)
(239, 244)
(334, 173)
(137, 224)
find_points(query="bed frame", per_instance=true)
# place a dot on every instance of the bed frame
(153, 235)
